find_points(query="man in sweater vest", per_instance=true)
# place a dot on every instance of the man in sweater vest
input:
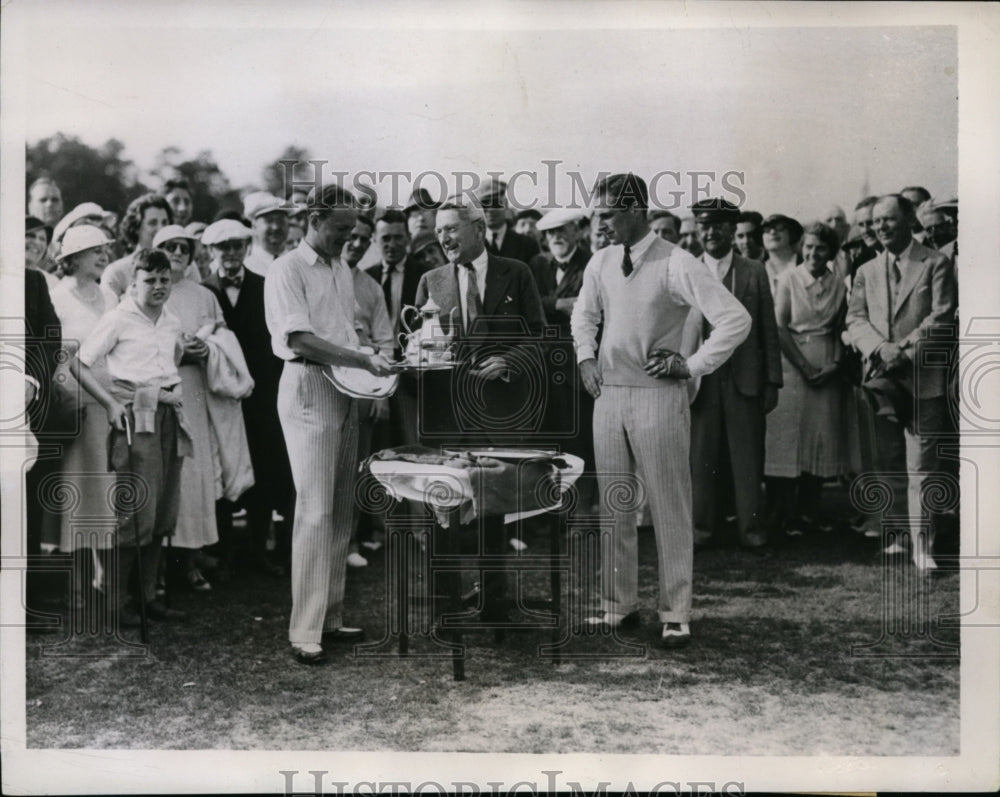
(645, 287)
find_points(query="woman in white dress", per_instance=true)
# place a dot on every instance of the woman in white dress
(201, 486)
(782, 236)
(84, 490)
(809, 305)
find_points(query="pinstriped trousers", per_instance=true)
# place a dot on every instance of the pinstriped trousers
(320, 426)
(649, 430)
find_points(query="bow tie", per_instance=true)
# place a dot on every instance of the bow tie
(231, 282)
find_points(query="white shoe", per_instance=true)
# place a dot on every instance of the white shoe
(675, 635)
(923, 560)
(372, 545)
(355, 559)
(518, 545)
(894, 549)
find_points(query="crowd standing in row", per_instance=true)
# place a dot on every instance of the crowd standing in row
(715, 354)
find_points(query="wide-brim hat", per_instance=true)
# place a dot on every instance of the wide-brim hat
(420, 200)
(781, 220)
(32, 223)
(421, 241)
(81, 211)
(80, 239)
(170, 232)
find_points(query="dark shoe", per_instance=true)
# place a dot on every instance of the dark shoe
(157, 610)
(309, 658)
(344, 634)
(675, 635)
(129, 618)
(264, 565)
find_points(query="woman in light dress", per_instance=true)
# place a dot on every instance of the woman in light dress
(85, 488)
(809, 304)
(196, 307)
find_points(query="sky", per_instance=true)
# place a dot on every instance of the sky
(801, 117)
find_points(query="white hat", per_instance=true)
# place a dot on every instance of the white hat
(195, 229)
(81, 238)
(224, 230)
(559, 218)
(170, 232)
(77, 213)
(260, 202)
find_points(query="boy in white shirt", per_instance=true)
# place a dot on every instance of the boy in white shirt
(142, 344)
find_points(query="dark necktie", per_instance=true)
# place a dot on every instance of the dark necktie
(387, 287)
(491, 246)
(231, 282)
(473, 304)
(627, 262)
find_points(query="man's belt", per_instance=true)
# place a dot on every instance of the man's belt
(304, 361)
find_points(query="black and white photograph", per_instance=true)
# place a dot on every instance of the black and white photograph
(499, 397)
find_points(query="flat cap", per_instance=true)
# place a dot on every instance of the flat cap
(715, 209)
(559, 218)
(224, 230)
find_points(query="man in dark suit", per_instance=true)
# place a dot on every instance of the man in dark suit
(241, 295)
(491, 305)
(398, 274)
(728, 414)
(559, 276)
(903, 303)
(501, 239)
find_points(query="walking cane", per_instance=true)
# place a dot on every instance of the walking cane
(143, 624)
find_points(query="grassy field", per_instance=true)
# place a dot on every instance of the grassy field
(817, 649)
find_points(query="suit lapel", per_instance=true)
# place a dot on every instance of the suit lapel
(913, 270)
(497, 279)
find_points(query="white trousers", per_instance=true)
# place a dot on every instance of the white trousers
(321, 431)
(648, 429)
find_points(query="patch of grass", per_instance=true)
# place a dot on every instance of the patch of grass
(800, 653)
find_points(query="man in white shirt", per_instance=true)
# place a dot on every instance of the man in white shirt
(268, 216)
(309, 307)
(643, 288)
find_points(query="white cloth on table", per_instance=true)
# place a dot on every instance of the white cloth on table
(442, 488)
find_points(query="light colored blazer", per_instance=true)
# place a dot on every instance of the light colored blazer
(923, 314)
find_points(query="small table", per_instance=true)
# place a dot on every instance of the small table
(450, 494)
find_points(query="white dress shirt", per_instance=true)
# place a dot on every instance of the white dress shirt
(479, 266)
(303, 293)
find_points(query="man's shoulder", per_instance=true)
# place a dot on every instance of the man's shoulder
(509, 263)
(923, 252)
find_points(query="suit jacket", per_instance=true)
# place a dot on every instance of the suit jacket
(757, 360)
(458, 406)
(518, 247)
(922, 313)
(544, 268)
(246, 320)
(411, 278)
(42, 342)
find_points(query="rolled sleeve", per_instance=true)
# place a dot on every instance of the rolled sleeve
(285, 307)
(99, 342)
(729, 319)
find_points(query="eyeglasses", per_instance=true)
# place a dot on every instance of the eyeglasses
(229, 246)
(177, 247)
